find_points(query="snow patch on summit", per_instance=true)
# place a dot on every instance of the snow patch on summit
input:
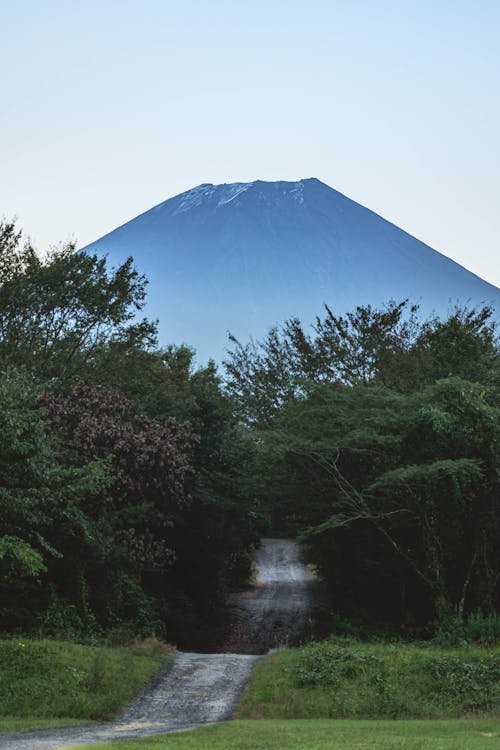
(298, 192)
(193, 198)
(224, 194)
(228, 193)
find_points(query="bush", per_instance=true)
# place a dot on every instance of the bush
(328, 664)
(127, 608)
(344, 678)
(392, 676)
(62, 619)
(475, 628)
(52, 679)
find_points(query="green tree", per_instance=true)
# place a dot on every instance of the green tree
(392, 346)
(213, 538)
(346, 349)
(394, 492)
(56, 312)
(464, 345)
(135, 519)
(40, 499)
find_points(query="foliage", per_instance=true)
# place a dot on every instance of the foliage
(472, 628)
(40, 499)
(391, 346)
(265, 375)
(58, 679)
(19, 559)
(214, 535)
(343, 678)
(153, 513)
(328, 664)
(57, 312)
(379, 465)
(410, 479)
(150, 462)
(134, 519)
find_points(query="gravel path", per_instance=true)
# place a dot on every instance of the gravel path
(197, 689)
(276, 612)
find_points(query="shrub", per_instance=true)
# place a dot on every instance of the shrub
(52, 679)
(344, 678)
(474, 628)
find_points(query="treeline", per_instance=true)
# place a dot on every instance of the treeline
(378, 438)
(122, 503)
(133, 485)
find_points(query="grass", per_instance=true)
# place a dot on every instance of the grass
(15, 724)
(60, 680)
(324, 735)
(339, 694)
(342, 678)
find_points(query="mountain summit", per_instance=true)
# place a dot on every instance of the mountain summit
(242, 257)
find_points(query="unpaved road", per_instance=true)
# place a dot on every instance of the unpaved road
(197, 689)
(194, 689)
(276, 611)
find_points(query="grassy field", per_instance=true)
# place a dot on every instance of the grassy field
(343, 678)
(54, 680)
(324, 735)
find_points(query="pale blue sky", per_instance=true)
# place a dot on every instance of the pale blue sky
(111, 107)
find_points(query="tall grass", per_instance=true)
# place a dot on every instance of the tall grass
(473, 628)
(343, 678)
(53, 679)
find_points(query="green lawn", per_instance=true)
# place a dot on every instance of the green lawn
(324, 735)
(54, 680)
(341, 679)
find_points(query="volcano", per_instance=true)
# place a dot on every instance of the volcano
(242, 257)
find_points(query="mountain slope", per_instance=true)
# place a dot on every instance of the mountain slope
(244, 256)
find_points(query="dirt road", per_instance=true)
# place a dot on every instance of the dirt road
(195, 689)
(276, 611)
(198, 689)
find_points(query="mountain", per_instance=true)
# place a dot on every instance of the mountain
(244, 256)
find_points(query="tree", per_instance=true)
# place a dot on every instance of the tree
(391, 346)
(40, 500)
(463, 345)
(56, 312)
(150, 461)
(218, 530)
(402, 484)
(168, 526)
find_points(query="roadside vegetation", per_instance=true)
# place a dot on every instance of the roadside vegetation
(54, 683)
(30, 724)
(343, 678)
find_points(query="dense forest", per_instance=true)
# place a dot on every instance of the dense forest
(134, 484)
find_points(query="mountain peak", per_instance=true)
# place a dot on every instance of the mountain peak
(244, 256)
(225, 193)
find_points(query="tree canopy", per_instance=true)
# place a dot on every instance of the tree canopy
(120, 497)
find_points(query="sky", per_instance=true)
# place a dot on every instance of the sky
(111, 107)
